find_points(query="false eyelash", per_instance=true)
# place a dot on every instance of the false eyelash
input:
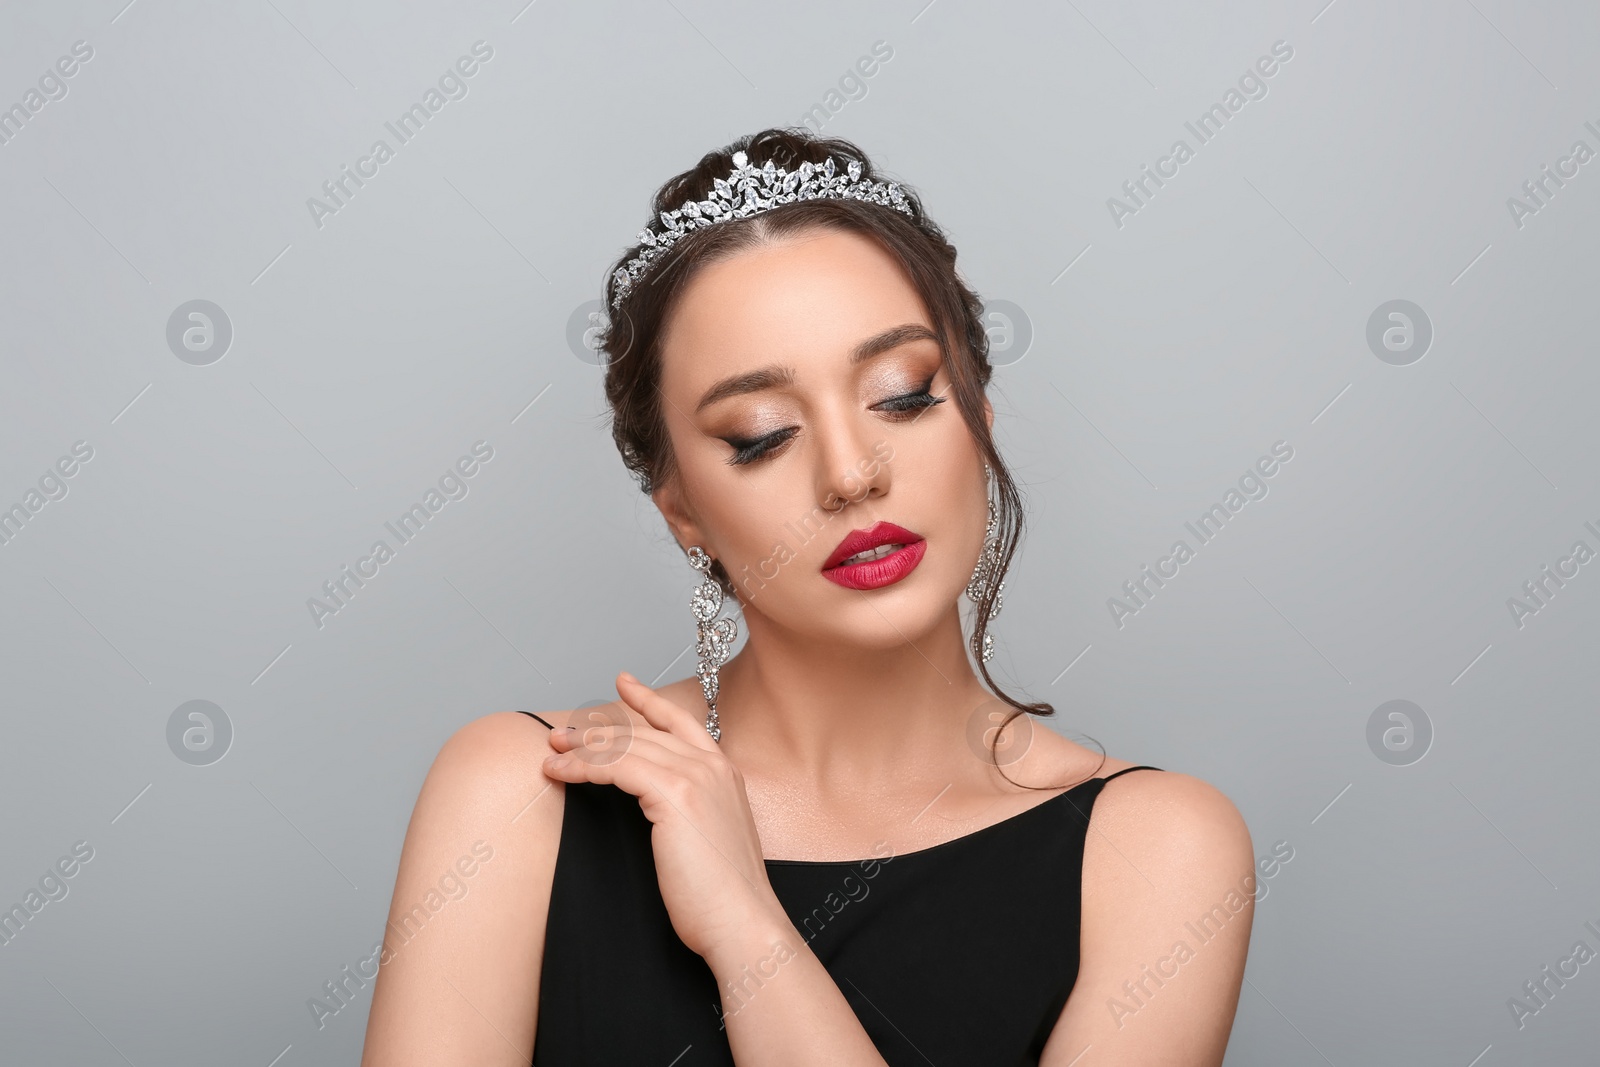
(919, 401)
(750, 451)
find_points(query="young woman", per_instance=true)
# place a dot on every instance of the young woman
(839, 846)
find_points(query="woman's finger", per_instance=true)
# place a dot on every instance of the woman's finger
(645, 769)
(663, 714)
(614, 732)
(595, 725)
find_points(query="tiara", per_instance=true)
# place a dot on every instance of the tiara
(749, 190)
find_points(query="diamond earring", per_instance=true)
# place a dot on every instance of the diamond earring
(985, 572)
(714, 639)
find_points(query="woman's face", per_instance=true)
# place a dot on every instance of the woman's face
(792, 377)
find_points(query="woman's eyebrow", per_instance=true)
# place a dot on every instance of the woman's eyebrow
(774, 377)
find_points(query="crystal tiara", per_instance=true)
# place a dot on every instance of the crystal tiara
(747, 191)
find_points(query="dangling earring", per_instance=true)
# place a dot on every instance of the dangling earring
(985, 572)
(714, 640)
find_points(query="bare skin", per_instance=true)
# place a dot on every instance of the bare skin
(846, 719)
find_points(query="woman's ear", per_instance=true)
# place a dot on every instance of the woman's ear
(668, 499)
(988, 411)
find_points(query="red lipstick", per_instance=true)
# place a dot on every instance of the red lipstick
(875, 573)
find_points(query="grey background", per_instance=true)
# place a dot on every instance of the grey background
(432, 311)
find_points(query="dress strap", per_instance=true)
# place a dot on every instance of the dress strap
(1125, 770)
(531, 715)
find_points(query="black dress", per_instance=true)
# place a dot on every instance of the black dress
(960, 953)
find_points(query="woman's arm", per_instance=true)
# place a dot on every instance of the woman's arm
(1168, 899)
(780, 1005)
(458, 977)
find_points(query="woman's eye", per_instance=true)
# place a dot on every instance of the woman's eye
(912, 403)
(752, 450)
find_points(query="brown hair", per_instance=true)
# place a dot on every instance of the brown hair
(632, 341)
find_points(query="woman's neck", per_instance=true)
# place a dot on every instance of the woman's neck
(835, 718)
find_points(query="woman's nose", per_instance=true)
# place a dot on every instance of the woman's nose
(849, 469)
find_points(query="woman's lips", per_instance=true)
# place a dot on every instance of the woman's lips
(874, 574)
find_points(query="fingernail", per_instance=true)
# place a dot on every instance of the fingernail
(556, 762)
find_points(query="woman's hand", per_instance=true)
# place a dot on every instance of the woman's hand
(707, 851)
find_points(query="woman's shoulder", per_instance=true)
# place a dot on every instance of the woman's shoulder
(1171, 818)
(496, 736)
(1168, 876)
(493, 761)
(500, 741)
(471, 893)
(1145, 818)
(1148, 802)
(1163, 844)
(487, 781)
